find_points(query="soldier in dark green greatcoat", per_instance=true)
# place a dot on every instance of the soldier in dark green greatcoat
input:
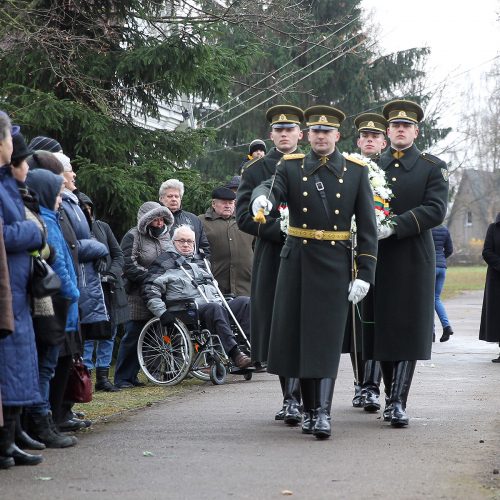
(404, 292)
(371, 142)
(285, 133)
(323, 190)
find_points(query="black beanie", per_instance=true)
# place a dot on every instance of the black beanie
(256, 145)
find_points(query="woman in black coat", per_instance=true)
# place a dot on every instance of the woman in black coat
(110, 270)
(490, 315)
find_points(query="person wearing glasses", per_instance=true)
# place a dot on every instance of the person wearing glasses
(167, 282)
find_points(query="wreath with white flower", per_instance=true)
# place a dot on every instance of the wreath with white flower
(284, 216)
(382, 193)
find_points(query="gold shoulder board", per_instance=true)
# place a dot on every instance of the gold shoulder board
(250, 162)
(295, 156)
(431, 159)
(356, 160)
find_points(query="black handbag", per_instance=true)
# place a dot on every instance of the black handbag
(44, 280)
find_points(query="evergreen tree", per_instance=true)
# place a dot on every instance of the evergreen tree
(358, 80)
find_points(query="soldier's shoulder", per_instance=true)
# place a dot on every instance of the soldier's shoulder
(357, 160)
(249, 164)
(433, 160)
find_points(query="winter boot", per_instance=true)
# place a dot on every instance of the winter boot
(7, 437)
(371, 386)
(43, 429)
(403, 374)
(308, 390)
(291, 401)
(102, 382)
(324, 392)
(25, 441)
(447, 331)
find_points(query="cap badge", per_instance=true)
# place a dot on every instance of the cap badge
(402, 114)
(323, 119)
(371, 124)
(282, 118)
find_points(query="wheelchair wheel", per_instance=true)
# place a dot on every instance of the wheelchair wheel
(217, 373)
(201, 366)
(247, 376)
(164, 353)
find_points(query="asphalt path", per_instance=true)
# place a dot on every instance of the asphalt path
(218, 442)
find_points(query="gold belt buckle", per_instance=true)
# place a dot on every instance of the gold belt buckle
(318, 235)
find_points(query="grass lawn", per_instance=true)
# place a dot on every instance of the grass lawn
(462, 279)
(104, 404)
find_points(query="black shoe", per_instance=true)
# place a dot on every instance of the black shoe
(22, 458)
(399, 418)
(447, 331)
(309, 419)
(293, 415)
(387, 413)
(43, 428)
(71, 425)
(6, 462)
(322, 427)
(23, 440)
(371, 401)
(359, 397)
(496, 360)
(102, 382)
(280, 415)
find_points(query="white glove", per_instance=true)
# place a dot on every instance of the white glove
(261, 202)
(358, 290)
(384, 232)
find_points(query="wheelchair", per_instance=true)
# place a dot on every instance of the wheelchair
(167, 355)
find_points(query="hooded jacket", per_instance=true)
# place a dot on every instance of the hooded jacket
(140, 248)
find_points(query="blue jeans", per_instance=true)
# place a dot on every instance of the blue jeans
(103, 352)
(127, 363)
(438, 305)
(47, 362)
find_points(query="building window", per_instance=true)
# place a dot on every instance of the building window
(468, 219)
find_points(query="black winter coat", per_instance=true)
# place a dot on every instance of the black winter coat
(266, 259)
(311, 306)
(112, 278)
(490, 315)
(403, 298)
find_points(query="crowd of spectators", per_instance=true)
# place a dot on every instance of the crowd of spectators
(44, 216)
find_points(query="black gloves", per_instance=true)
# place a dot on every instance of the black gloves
(167, 319)
(100, 265)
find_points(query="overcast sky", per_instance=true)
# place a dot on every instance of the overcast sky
(463, 36)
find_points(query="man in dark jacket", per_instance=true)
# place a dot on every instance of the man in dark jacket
(285, 133)
(444, 248)
(403, 295)
(171, 194)
(232, 252)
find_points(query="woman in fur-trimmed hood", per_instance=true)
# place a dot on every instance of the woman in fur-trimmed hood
(141, 245)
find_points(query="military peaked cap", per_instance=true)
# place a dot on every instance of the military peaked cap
(284, 116)
(323, 117)
(371, 122)
(403, 111)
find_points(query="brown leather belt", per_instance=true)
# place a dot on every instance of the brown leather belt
(318, 234)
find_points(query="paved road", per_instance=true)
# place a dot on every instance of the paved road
(222, 442)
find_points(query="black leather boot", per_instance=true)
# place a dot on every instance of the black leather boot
(308, 390)
(358, 399)
(387, 369)
(403, 374)
(447, 331)
(6, 462)
(324, 392)
(102, 382)
(9, 448)
(25, 441)
(293, 415)
(280, 415)
(43, 429)
(371, 385)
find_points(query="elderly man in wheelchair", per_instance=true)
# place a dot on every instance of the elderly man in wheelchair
(180, 274)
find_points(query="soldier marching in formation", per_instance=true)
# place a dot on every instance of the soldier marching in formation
(323, 191)
(285, 133)
(371, 141)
